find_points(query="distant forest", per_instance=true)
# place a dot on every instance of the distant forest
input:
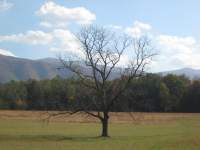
(151, 93)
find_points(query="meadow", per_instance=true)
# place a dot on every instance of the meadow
(25, 130)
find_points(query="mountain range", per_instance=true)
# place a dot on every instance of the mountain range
(15, 68)
(188, 72)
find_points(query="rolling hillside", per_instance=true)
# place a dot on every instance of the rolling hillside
(188, 72)
(14, 68)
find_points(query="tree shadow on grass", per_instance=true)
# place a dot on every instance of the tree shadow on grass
(61, 138)
(49, 138)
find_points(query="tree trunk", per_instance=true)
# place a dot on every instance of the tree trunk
(104, 122)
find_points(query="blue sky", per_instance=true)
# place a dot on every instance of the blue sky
(172, 24)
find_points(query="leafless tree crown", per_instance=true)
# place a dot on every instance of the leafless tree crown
(103, 50)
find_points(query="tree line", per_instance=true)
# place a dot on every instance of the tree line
(150, 93)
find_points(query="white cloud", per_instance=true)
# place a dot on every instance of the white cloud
(55, 15)
(30, 37)
(46, 24)
(173, 51)
(176, 52)
(66, 41)
(115, 27)
(138, 29)
(5, 5)
(180, 44)
(59, 40)
(124, 60)
(6, 53)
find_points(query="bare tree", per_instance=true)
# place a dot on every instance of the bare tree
(103, 51)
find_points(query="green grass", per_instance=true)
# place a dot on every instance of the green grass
(36, 135)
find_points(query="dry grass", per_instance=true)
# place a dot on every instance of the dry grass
(115, 117)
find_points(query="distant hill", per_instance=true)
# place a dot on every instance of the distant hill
(14, 68)
(188, 72)
(49, 60)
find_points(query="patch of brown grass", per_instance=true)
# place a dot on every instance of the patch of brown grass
(115, 117)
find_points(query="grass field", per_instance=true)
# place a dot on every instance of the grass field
(21, 130)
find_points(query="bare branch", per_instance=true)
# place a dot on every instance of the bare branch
(103, 51)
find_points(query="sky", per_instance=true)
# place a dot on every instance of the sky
(42, 28)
